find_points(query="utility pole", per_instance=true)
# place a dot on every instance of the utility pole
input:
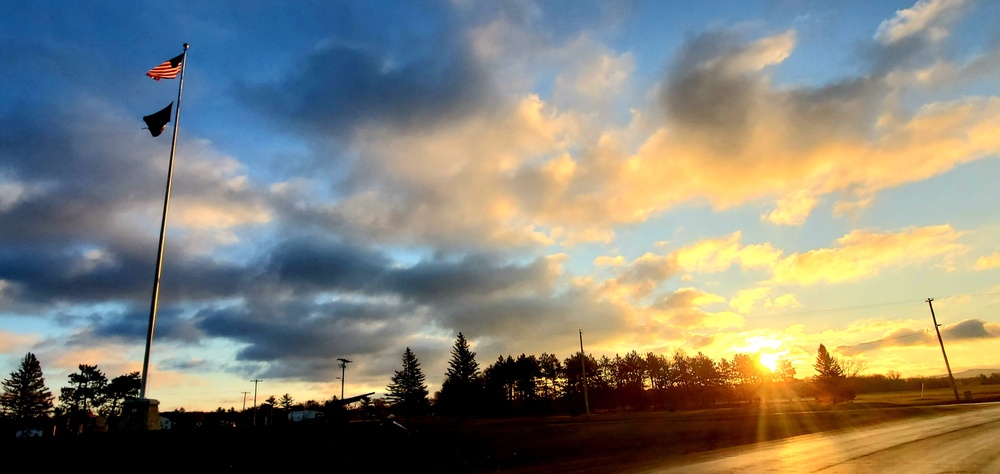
(244, 400)
(343, 369)
(583, 366)
(941, 341)
(255, 381)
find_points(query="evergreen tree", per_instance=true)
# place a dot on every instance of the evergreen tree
(407, 391)
(88, 390)
(826, 365)
(830, 383)
(462, 388)
(119, 389)
(286, 401)
(25, 395)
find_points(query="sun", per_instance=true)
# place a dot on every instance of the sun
(769, 360)
(767, 349)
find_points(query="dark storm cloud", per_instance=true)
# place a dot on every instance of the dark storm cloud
(132, 325)
(897, 338)
(533, 321)
(477, 276)
(76, 167)
(81, 168)
(702, 94)
(303, 340)
(53, 274)
(716, 91)
(313, 262)
(321, 299)
(971, 329)
(341, 86)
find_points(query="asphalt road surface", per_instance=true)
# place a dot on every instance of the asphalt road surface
(968, 441)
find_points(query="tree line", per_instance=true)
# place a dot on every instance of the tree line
(529, 384)
(525, 384)
(546, 384)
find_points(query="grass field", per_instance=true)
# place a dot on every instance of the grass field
(935, 396)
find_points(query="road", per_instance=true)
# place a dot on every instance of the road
(968, 441)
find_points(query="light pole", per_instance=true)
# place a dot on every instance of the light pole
(255, 382)
(343, 370)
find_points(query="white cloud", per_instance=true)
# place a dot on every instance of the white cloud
(927, 17)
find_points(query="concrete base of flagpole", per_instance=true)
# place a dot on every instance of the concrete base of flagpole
(140, 414)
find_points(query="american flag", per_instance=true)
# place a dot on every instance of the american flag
(167, 69)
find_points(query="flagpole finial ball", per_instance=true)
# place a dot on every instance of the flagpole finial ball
(186, 45)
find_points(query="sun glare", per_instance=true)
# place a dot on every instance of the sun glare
(770, 361)
(768, 350)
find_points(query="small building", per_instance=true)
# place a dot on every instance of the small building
(304, 415)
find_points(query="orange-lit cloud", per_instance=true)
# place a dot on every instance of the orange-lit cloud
(862, 254)
(528, 170)
(684, 308)
(719, 254)
(642, 276)
(13, 343)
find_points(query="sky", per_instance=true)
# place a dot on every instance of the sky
(355, 178)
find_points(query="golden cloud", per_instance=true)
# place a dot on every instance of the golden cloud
(716, 255)
(744, 300)
(988, 262)
(863, 254)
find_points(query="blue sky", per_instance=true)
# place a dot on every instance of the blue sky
(355, 178)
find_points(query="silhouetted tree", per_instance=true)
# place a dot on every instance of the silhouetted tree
(852, 367)
(462, 390)
(705, 378)
(87, 391)
(286, 401)
(830, 383)
(572, 374)
(312, 405)
(660, 373)
(498, 386)
(120, 388)
(25, 396)
(407, 391)
(826, 365)
(629, 376)
(550, 368)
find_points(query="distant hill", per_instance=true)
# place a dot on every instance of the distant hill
(972, 373)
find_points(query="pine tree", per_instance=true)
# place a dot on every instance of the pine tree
(407, 392)
(286, 402)
(462, 368)
(88, 391)
(25, 395)
(830, 383)
(119, 389)
(826, 365)
(462, 388)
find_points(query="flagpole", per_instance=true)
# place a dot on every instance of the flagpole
(163, 232)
